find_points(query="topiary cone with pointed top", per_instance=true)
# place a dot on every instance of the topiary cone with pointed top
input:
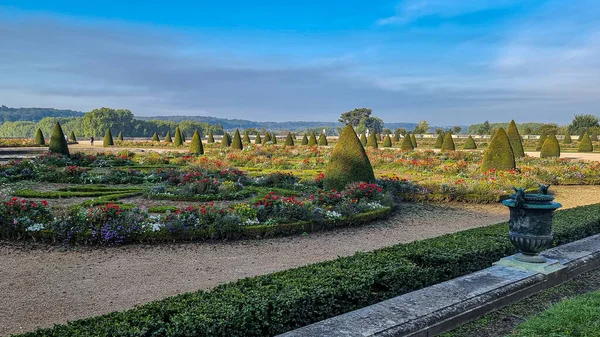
(323, 140)
(372, 141)
(349, 162)
(258, 140)
(567, 139)
(499, 153)
(551, 148)
(312, 141)
(178, 138)
(196, 144)
(211, 138)
(304, 140)
(540, 143)
(236, 143)
(585, 145)
(387, 142)
(246, 137)
(470, 144)
(155, 137)
(274, 138)
(266, 138)
(396, 137)
(289, 140)
(413, 140)
(406, 144)
(168, 137)
(58, 144)
(363, 139)
(439, 141)
(515, 140)
(448, 144)
(120, 136)
(72, 137)
(108, 139)
(39, 138)
(226, 140)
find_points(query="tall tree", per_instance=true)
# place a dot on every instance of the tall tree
(353, 117)
(582, 124)
(422, 127)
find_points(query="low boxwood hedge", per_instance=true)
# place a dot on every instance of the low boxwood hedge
(271, 304)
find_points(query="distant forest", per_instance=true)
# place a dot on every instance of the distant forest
(34, 114)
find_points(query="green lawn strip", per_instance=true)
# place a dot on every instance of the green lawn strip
(271, 304)
(104, 199)
(98, 188)
(202, 197)
(59, 194)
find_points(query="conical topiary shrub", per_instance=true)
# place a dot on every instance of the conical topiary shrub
(585, 145)
(257, 140)
(72, 137)
(406, 144)
(396, 137)
(379, 137)
(323, 140)
(413, 140)
(196, 144)
(349, 162)
(39, 137)
(108, 139)
(273, 138)
(182, 137)
(515, 140)
(266, 138)
(211, 138)
(567, 139)
(372, 141)
(439, 141)
(246, 137)
(58, 143)
(363, 139)
(226, 140)
(551, 148)
(387, 142)
(289, 140)
(168, 137)
(540, 143)
(236, 143)
(304, 140)
(155, 137)
(312, 141)
(594, 136)
(178, 139)
(120, 136)
(470, 144)
(448, 144)
(499, 153)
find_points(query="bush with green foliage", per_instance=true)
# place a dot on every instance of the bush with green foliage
(72, 137)
(178, 138)
(289, 140)
(406, 144)
(448, 144)
(323, 140)
(567, 139)
(196, 144)
(236, 143)
(551, 148)
(348, 163)
(226, 140)
(541, 142)
(168, 137)
(470, 144)
(120, 136)
(413, 140)
(58, 143)
(439, 141)
(182, 137)
(585, 145)
(108, 139)
(246, 137)
(304, 140)
(39, 137)
(211, 138)
(258, 140)
(396, 137)
(387, 142)
(273, 138)
(363, 139)
(379, 139)
(499, 153)
(312, 141)
(594, 136)
(155, 137)
(266, 138)
(372, 141)
(515, 139)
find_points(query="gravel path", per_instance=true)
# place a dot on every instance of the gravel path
(42, 286)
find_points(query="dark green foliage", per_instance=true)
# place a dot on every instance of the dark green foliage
(448, 144)
(372, 141)
(289, 140)
(58, 144)
(178, 139)
(304, 140)
(413, 140)
(266, 138)
(155, 137)
(236, 143)
(551, 148)
(323, 140)
(226, 140)
(406, 144)
(540, 143)
(515, 140)
(363, 139)
(312, 141)
(470, 144)
(246, 137)
(168, 137)
(271, 304)
(594, 136)
(108, 139)
(182, 137)
(378, 137)
(387, 142)
(273, 138)
(196, 144)
(120, 136)
(72, 137)
(439, 141)
(499, 153)
(396, 137)
(39, 137)
(567, 139)
(585, 145)
(349, 162)
(211, 138)
(257, 140)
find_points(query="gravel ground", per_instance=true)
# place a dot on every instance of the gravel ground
(44, 285)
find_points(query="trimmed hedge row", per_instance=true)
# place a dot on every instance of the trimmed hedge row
(271, 304)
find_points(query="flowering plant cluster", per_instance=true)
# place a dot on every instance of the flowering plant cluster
(18, 216)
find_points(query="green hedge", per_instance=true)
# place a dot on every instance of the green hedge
(271, 304)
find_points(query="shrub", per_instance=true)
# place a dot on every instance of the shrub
(363, 139)
(273, 138)
(58, 144)
(348, 163)
(257, 140)
(448, 144)
(594, 136)
(372, 141)
(551, 148)
(196, 144)
(585, 145)
(72, 137)
(168, 137)
(540, 143)
(413, 140)
(211, 138)
(515, 140)
(499, 153)
(567, 139)
(120, 136)
(304, 140)
(387, 142)
(470, 144)
(178, 139)
(246, 137)
(439, 141)
(226, 140)
(289, 140)
(378, 137)
(182, 137)
(323, 140)
(39, 137)
(266, 139)
(396, 137)
(236, 144)
(108, 139)
(406, 144)
(155, 137)
(312, 141)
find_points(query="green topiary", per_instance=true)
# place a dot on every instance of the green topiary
(168, 137)
(304, 140)
(246, 137)
(349, 162)
(196, 144)
(273, 138)
(499, 153)
(226, 140)
(72, 137)
(515, 140)
(58, 144)
(396, 137)
(448, 144)
(585, 145)
(211, 138)
(470, 144)
(413, 140)
(363, 139)
(439, 141)
(372, 141)
(323, 140)
(594, 136)
(551, 148)
(406, 144)
(540, 143)
(120, 136)
(312, 141)
(289, 140)
(387, 142)
(108, 139)
(567, 139)
(257, 140)
(155, 137)
(236, 143)
(266, 138)
(178, 139)
(39, 137)
(379, 137)
(182, 137)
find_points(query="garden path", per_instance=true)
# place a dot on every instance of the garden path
(44, 285)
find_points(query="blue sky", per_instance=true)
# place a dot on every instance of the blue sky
(448, 62)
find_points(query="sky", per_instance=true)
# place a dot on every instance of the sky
(445, 61)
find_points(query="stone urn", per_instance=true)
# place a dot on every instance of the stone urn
(530, 225)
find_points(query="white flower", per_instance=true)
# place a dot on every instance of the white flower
(333, 215)
(375, 205)
(35, 227)
(155, 227)
(254, 221)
